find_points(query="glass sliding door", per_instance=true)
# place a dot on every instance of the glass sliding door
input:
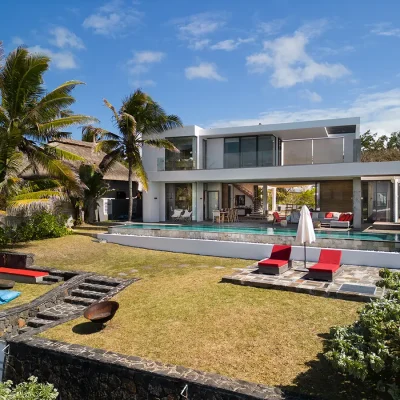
(266, 151)
(378, 202)
(178, 197)
(232, 153)
(186, 158)
(248, 152)
(212, 203)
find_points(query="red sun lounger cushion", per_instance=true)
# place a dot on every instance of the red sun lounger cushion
(330, 257)
(320, 267)
(268, 262)
(342, 217)
(23, 272)
(280, 252)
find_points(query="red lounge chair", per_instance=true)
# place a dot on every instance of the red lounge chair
(327, 267)
(278, 262)
(277, 218)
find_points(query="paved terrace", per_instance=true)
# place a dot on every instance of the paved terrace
(352, 282)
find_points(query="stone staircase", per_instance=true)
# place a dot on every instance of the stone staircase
(91, 290)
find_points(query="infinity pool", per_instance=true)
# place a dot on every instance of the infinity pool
(263, 230)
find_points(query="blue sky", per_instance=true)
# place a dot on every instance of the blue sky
(221, 63)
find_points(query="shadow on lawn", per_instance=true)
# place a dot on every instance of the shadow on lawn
(321, 381)
(87, 328)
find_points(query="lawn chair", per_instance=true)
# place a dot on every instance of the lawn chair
(187, 216)
(176, 215)
(277, 218)
(327, 267)
(278, 262)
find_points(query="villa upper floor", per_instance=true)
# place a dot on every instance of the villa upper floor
(300, 143)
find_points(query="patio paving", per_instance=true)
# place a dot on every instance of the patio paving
(361, 279)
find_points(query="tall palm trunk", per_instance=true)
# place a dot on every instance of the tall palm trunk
(130, 209)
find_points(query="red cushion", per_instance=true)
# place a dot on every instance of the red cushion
(350, 217)
(329, 215)
(276, 216)
(23, 272)
(342, 217)
(321, 267)
(272, 263)
(328, 256)
(280, 252)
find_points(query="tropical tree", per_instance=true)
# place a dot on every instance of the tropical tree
(30, 117)
(95, 188)
(376, 148)
(139, 121)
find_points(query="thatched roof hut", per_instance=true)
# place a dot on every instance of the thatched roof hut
(86, 150)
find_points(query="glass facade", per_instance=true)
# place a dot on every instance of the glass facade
(186, 158)
(377, 205)
(249, 151)
(179, 196)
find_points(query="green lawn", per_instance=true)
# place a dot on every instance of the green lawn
(180, 313)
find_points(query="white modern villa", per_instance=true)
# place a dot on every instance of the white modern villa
(227, 167)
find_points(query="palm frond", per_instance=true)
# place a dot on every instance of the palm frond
(160, 144)
(61, 154)
(141, 175)
(112, 108)
(65, 122)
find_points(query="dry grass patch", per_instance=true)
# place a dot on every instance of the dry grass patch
(179, 313)
(29, 292)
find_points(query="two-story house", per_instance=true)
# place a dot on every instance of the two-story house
(217, 168)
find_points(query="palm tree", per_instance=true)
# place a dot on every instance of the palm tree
(139, 121)
(30, 117)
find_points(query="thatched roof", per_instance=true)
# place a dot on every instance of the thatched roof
(86, 150)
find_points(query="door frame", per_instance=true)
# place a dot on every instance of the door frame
(208, 202)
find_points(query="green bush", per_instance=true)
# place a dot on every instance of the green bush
(39, 226)
(390, 279)
(369, 350)
(30, 390)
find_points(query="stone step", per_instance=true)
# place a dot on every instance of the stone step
(79, 300)
(24, 329)
(38, 322)
(95, 288)
(102, 281)
(87, 294)
(53, 279)
(48, 316)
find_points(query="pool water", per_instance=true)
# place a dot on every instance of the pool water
(264, 230)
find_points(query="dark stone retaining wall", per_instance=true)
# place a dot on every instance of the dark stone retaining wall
(14, 318)
(80, 372)
(16, 260)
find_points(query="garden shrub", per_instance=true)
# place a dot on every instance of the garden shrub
(390, 279)
(42, 225)
(30, 390)
(369, 350)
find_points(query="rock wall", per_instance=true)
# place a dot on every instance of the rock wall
(80, 372)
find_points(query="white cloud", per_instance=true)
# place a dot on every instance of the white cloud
(330, 51)
(199, 44)
(143, 83)
(141, 61)
(203, 71)
(290, 62)
(272, 27)
(230, 44)
(62, 37)
(113, 18)
(61, 59)
(148, 57)
(17, 41)
(195, 28)
(385, 29)
(314, 97)
(379, 112)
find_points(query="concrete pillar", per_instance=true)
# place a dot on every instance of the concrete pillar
(396, 200)
(194, 201)
(357, 203)
(151, 203)
(200, 201)
(273, 199)
(265, 198)
(162, 201)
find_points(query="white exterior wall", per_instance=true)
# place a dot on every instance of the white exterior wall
(249, 251)
(199, 197)
(152, 204)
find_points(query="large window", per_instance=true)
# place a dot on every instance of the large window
(186, 158)
(179, 196)
(249, 151)
(232, 153)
